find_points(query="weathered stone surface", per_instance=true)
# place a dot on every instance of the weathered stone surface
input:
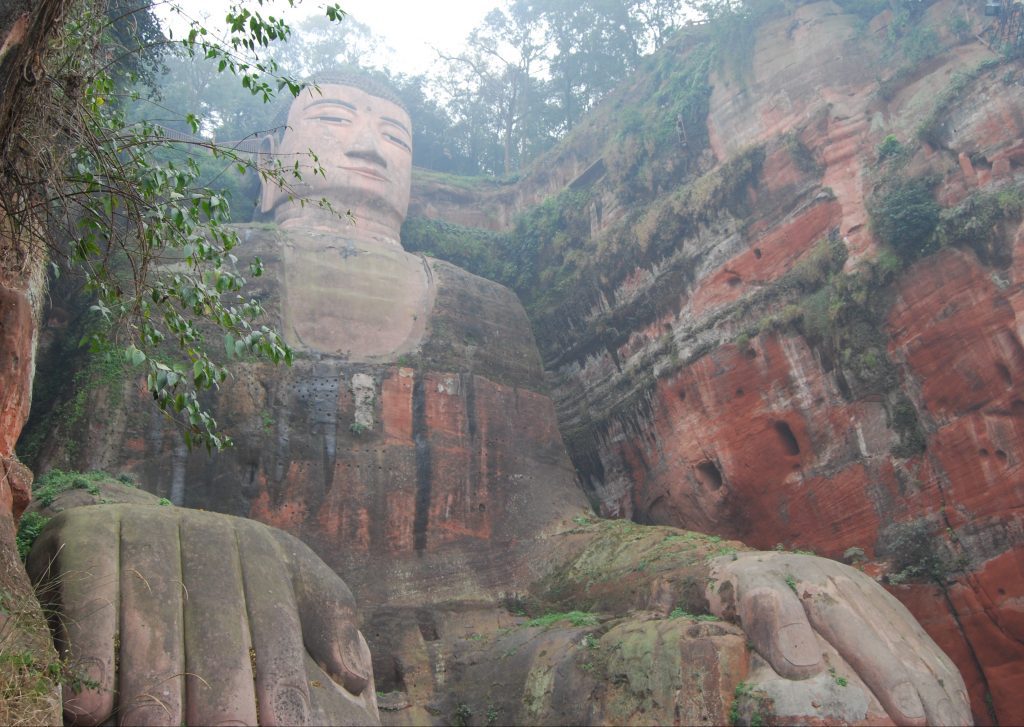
(641, 670)
(17, 341)
(382, 311)
(30, 694)
(687, 399)
(460, 493)
(617, 642)
(437, 477)
(200, 618)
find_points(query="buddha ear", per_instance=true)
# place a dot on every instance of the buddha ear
(270, 190)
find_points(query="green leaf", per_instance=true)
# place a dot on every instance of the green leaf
(134, 356)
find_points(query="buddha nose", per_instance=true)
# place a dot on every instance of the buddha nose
(365, 145)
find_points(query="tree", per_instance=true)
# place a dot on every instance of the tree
(151, 243)
(595, 45)
(534, 67)
(494, 88)
(320, 46)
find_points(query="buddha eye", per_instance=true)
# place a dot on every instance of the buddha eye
(334, 119)
(395, 140)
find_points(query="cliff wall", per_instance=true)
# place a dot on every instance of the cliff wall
(777, 285)
(746, 334)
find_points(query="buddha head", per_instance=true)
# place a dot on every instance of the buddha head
(352, 140)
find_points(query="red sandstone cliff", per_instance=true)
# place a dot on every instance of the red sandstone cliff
(729, 350)
(762, 367)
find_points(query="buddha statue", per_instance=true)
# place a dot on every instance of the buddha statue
(349, 289)
(413, 448)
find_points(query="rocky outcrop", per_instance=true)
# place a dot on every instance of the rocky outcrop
(414, 479)
(440, 488)
(731, 348)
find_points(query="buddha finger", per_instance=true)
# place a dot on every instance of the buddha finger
(934, 677)
(327, 611)
(278, 653)
(74, 564)
(756, 589)
(152, 658)
(219, 685)
(858, 633)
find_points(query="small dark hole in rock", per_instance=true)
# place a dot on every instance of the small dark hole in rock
(1004, 374)
(757, 253)
(709, 475)
(787, 438)
(427, 625)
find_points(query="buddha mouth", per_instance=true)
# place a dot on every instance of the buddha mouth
(366, 172)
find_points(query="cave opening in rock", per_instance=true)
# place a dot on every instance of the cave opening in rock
(427, 625)
(709, 475)
(786, 437)
(1004, 374)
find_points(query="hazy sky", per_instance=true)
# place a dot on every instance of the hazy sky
(410, 27)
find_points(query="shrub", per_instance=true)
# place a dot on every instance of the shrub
(903, 420)
(975, 223)
(47, 488)
(915, 552)
(576, 618)
(32, 523)
(802, 155)
(959, 28)
(904, 215)
(889, 147)
(921, 44)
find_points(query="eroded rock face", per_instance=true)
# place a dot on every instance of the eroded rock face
(437, 477)
(699, 391)
(30, 694)
(17, 349)
(445, 495)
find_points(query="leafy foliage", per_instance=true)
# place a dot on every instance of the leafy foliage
(576, 618)
(532, 68)
(904, 421)
(904, 215)
(733, 24)
(151, 242)
(49, 486)
(916, 552)
(29, 527)
(889, 147)
(977, 223)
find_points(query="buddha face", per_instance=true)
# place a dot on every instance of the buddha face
(362, 143)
